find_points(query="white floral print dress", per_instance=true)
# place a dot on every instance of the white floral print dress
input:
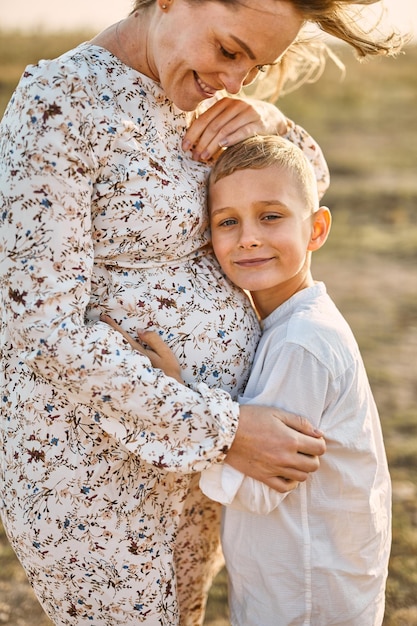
(102, 211)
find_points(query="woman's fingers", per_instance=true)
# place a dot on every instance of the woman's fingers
(302, 425)
(133, 343)
(152, 346)
(229, 121)
(270, 445)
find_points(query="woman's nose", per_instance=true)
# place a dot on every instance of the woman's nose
(234, 79)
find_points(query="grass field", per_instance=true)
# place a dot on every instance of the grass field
(367, 126)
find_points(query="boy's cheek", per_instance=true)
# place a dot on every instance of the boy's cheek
(220, 250)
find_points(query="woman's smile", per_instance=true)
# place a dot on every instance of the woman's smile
(207, 89)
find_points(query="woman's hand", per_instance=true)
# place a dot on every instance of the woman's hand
(152, 346)
(275, 447)
(229, 121)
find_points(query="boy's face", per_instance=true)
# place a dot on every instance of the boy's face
(261, 231)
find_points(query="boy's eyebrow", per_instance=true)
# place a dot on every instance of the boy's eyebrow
(216, 211)
(266, 203)
(244, 46)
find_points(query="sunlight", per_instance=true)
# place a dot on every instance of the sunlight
(96, 14)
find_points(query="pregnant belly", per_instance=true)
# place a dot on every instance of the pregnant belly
(208, 323)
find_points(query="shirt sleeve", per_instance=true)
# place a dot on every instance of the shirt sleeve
(293, 379)
(48, 167)
(225, 484)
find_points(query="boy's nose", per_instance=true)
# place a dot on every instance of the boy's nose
(249, 239)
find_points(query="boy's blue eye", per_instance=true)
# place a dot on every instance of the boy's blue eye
(229, 222)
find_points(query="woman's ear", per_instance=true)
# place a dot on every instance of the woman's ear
(322, 221)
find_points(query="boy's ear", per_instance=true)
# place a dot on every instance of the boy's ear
(322, 221)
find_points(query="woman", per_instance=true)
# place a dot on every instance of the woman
(103, 211)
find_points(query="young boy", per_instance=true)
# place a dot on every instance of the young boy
(318, 555)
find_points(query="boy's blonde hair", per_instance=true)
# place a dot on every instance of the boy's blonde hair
(260, 152)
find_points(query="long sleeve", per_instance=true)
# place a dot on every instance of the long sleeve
(225, 484)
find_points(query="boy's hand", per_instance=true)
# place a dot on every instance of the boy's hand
(152, 346)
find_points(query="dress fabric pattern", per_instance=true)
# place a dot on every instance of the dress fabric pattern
(103, 212)
(97, 448)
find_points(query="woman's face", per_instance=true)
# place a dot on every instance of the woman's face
(196, 49)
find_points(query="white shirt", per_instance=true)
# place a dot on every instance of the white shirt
(320, 557)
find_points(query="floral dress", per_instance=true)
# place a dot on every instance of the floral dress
(101, 211)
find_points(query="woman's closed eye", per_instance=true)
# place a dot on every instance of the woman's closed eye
(227, 54)
(233, 55)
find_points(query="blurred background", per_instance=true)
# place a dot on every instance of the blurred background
(366, 123)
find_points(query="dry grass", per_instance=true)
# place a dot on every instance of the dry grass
(368, 127)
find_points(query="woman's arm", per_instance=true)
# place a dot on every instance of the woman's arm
(275, 447)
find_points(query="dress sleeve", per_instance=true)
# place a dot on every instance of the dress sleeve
(49, 164)
(300, 137)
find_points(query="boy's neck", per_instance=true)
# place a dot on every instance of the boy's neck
(266, 301)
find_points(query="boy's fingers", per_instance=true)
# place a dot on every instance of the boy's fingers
(155, 349)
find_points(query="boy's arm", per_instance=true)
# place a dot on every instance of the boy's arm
(294, 379)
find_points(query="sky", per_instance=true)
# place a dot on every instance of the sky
(97, 14)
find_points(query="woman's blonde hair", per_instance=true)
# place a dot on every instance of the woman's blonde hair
(350, 21)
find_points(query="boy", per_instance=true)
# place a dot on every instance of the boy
(318, 555)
